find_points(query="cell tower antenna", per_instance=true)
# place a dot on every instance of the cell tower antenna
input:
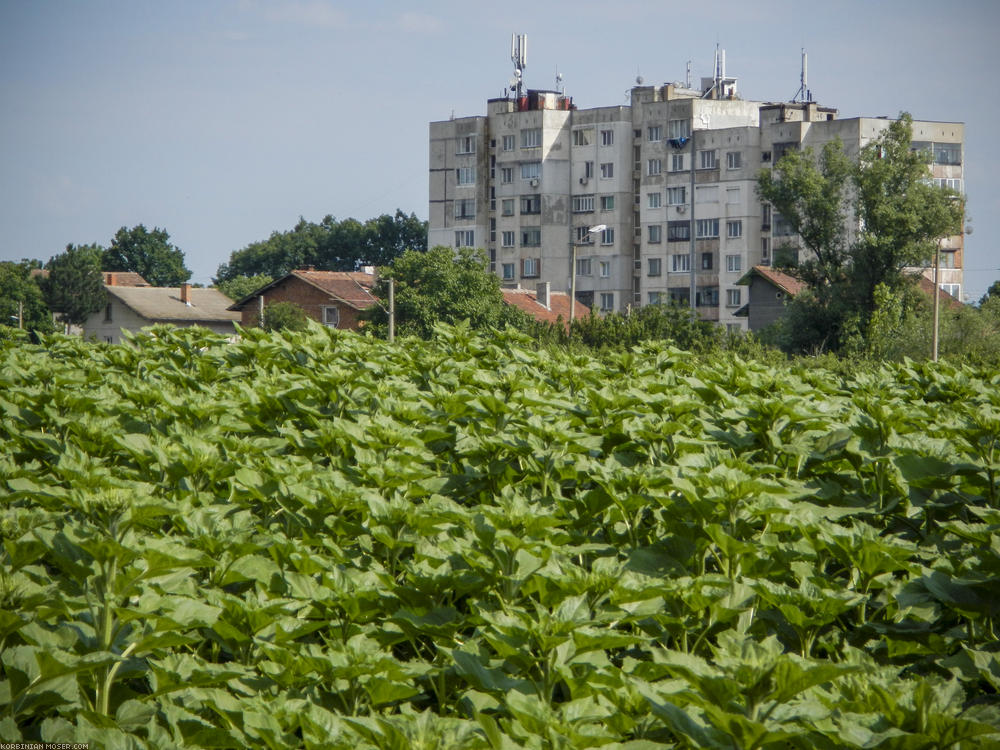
(687, 78)
(803, 94)
(519, 56)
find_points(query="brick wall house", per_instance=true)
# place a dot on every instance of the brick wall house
(334, 298)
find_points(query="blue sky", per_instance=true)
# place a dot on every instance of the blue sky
(222, 121)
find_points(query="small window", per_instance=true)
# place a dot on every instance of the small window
(465, 238)
(507, 238)
(608, 236)
(531, 170)
(531, 268)
(583, 204)
(654, 167)
(734, 263)
(466, 144)
(588, 169)
(507, 207)
(734, 159)
(655, 266)
(508, 271)
(583, 137)
(706, 160)
(678, 231)
(607, 170)
(607, 301)
(465, 208)
(681, 263)
(583, 266)
(733, 298)
(531, 138)
(655, 133)
(605, 268)
(531, 204)
(707, 228)
(506, 175)
(607, 137)
(706, 261)
(734, 229)
(655, 233)
(654, 199)
(677, 196)
(331, 316)
(677, 163)
(679, 128)
(607, 203)
(107, 312)
(531, 237)
(765, 156)
(465, 175)
(507, 143)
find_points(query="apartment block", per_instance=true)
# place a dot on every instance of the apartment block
(669, 180)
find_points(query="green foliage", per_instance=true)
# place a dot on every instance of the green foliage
(147, 253)
(20, 292)
(901, 218)
(441, 285)
(330, 245)
(283, 316)
(320, 540)
(239, 287)
(74, 287)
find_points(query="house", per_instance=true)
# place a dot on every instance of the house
(544, 305)
(769, 290)
(131, 308)
(334, 298)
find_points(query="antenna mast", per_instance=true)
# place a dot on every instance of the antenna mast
(803, 94)
(518, 56)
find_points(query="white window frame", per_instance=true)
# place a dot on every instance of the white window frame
(733, 297)
(734, 263)
(655, 133)
(708, 159)
(531, 170)
(654, 266)
(607, 301)
(531, 268)
(584, 266)
(466, 144)
(734, 160)
(465, 176)
(529, 235)
(506, 206)
(655, 200)
(734, 229)
(508, 142)
(583, 204)
(679, 128)
(331, 316)
(583, 137)
(677, 196)
(677, 162)
(604, 267)
(531, 138)
(607, 203)
(607, 170)
(706, 229)
(654, 167)
(607, 137)
(465, 238)
(507, 271)
(608, 236)
(508, 238)
(680, 263)
(655, 234)
(506, 175)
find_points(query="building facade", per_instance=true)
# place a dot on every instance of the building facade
(670, 178)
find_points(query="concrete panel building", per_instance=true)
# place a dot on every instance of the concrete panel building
(670, 178)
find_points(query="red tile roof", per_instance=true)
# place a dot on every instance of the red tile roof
(527, 300)
(789, 284)
(353, 287)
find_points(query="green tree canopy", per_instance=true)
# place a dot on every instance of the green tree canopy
(442, 285)
(330, 245)
(239, 287)
(21, 297)
(147, 253)
(899, 215)
(75, 288)
(282, 316)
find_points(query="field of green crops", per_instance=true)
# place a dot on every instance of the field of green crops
(323, 541)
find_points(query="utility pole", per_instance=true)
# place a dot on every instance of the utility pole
(937, 302)
(691, 231)
(392, 309)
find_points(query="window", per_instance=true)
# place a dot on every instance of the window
(605, 268)
(607, 203)
(734, 228)
(655, 266)
(531, 267)
(707, 228)
(465, 175)
(107, 312)
(655, 133)
(953, 289)
(583, 266)
(733, 196)
(733, 298)
(780, 149)
(493, 197)
(677, 163)
(531, 204)
(583, 236)
(680, 295)
(607, 301)
(465, 238)
(466, 144)
(583, 137)
(655, 298)
(677, 196)
(531, 138)
(506, 175)
(734, 263)
(465, 208)
(531, 170)
(706, 194)
(507, 143)
(765, 156)
(507, 239)
(765, 216)
(531, 237)
(706, 261)
(765, 251)
(588, 169)
(707, 297)
(331, 315)
(782, 227)
(583, 204)
(507, 270)
(507, 207)
(655, 199)
(734, 159)
(608, 236)
(654, 166)
(655, 232)
(940, 153)
(607, 137)
(681, 263)
(607, 170)
(706, 160)
(679, 128)
(950, 183)
(678, 231)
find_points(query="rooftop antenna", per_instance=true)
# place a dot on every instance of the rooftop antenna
(559, 81)
(803, 94)
(518, 56)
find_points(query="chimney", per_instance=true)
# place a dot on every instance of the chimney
(186, 294)
(542, 293)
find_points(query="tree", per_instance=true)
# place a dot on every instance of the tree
(899, 215)
(330, 245)
(75, 288)
(239, 287)
(441, 285)
(283, 316)
(147, 253)
(21, 298)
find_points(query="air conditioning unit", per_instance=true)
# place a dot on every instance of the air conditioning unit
(583, 180)
(681, 209)
(534, 183)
